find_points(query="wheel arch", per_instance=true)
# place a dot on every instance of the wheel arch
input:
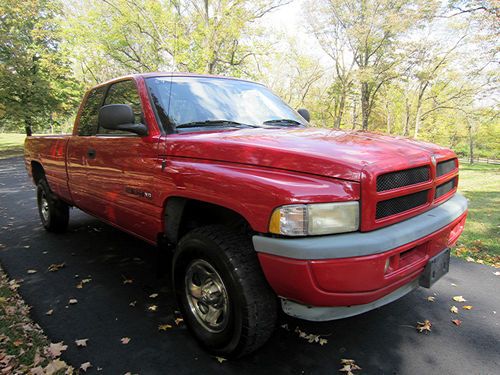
(37, 171)
(182, 214)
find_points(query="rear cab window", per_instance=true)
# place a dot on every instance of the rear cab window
(87, 125)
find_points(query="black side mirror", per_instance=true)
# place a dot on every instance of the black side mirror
(120, 117)
(304, 113)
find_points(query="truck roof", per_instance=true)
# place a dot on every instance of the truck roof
(168, 74)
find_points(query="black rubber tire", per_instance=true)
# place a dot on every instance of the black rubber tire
(253, 308)
(58, 211)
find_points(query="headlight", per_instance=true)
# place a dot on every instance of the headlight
(315, 219)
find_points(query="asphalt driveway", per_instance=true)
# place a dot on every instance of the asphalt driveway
(123, 269)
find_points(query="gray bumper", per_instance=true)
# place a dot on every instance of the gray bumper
(365, 243)
(321, 314)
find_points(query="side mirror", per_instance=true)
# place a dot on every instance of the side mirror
(120, 117)
(304, 113)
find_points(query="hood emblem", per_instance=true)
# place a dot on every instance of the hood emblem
(433, 160)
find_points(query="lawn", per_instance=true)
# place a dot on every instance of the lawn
(480, 183)
(11, 145)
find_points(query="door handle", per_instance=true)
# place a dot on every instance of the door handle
(91, 153)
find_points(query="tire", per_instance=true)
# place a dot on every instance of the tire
(53, 212)
(246, 304)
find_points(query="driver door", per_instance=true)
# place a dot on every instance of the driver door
(122, 169)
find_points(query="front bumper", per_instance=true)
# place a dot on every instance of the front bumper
(358, 268)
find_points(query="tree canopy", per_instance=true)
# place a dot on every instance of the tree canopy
(417, 68)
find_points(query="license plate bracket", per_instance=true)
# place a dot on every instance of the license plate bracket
(437, 266)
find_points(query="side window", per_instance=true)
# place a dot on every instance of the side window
(123, 92)
(88, 119)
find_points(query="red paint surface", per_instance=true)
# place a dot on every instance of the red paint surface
(356, 280)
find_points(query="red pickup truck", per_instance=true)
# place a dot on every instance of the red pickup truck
(257, 207)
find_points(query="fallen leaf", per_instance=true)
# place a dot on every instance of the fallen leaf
(85, 366)
(125, 340)
(152, 308)
(431, 299)
(127, 281)
(424, 327)
(459, 299)
(56, 267)
(55, 350)
(133, 303)
(497, 273)
(55, 366)
(469, 259)
(86, 281)
(285, 326)
(49, 312)
(349, 365)
(79, 285)
(221, 359)
(73, 301)
(18, 342)
(310, 337)
(467, 307)
(457, 322)
(154, 295)
(178, 321)
(81, 342)
(37, 371)
(454, 309)
(26, 246)
(31, 272)
(453, 284)
(164, 327)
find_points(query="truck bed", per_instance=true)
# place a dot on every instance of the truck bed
(49, 151)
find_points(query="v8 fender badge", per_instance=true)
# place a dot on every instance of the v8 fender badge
(139, 193)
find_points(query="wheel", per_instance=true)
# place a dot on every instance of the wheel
(54, 213)
(223, 295)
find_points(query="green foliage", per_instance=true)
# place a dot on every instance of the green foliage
(35, 76)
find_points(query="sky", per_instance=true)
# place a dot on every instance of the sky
(290, 19)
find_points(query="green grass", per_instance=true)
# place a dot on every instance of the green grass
(11, 144)
(480, 183)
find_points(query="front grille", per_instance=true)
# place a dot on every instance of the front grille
(400, 204)
(399, 179)
(444, 188)
(445, 167)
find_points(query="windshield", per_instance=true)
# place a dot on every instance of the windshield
(197, 102)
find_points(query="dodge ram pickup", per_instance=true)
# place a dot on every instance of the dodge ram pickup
(257, 208)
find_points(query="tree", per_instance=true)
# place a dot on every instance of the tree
(35, 75)
(371, 29)
(151, 35)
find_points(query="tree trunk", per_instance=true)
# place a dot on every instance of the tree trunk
(340, 113)
(354, 114)
(417, 120)
(471, 143)
(406, 128)
(365, 104)
(418, 112)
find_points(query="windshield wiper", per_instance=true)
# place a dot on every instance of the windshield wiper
(198, 124)
(283, 121)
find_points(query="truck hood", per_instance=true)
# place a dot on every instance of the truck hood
(332, 153)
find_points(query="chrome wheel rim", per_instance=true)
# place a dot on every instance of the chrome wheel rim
(44, 207)
(207, 295)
